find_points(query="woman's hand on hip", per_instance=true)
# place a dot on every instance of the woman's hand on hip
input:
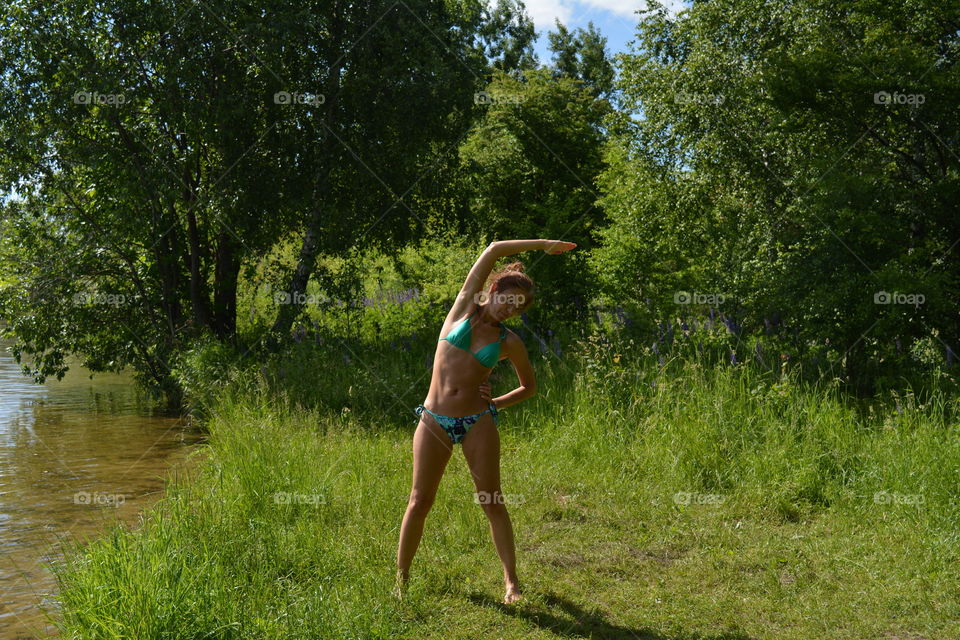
(485, 391)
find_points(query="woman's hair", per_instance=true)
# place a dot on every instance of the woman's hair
(511, 276)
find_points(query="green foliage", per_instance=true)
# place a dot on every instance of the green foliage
(528, 171)
(158, 157)
(773, 493)
(508, 35)
(581, 54)
(767, 169)
(205, 369)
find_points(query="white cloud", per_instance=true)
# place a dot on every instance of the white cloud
(543, 12)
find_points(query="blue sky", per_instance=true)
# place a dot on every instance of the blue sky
(615, 19)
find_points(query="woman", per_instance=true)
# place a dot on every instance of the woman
(473, 341)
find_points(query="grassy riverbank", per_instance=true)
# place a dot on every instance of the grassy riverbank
(686, 501)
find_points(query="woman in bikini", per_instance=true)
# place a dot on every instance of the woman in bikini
(473, 341)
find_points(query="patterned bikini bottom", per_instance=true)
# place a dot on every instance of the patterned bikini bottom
(457, 427)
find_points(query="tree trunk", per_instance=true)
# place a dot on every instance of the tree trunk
(225, 286)
(301, 275)
(165, 254)
(199, 300)
(314, 225)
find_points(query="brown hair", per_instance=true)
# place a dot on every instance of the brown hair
(512, 276)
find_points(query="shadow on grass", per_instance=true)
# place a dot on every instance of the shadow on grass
(586, 624)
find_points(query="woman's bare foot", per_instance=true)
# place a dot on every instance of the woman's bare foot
(512, 595)
(400, 588)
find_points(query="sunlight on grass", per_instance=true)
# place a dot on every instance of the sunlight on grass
(678, 502)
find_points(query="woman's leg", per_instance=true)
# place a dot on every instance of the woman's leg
(431, 452)
(481, 448)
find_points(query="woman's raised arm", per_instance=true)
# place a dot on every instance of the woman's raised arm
(484, 265)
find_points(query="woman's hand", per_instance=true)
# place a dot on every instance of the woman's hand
(558, 246)
(485, 391)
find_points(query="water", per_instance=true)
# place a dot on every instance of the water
(76, 455)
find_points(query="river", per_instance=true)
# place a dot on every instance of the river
(76, 455)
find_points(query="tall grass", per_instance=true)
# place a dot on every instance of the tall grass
(678, 500)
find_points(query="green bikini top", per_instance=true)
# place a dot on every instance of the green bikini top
(459, 337)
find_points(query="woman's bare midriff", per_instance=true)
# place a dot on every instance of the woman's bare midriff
(456, 380)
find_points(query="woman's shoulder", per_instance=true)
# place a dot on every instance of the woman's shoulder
(509, 335)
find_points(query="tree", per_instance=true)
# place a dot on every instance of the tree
(529, 167)
(582, 55)
(792, 157)
(507, 35)
(160, 148)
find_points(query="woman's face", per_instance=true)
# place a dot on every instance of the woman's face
(507, 303)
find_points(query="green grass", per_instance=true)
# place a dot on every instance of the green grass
(713, 504)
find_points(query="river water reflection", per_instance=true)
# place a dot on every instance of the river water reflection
(75, 455)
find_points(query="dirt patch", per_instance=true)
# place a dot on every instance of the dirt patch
(664, 556)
